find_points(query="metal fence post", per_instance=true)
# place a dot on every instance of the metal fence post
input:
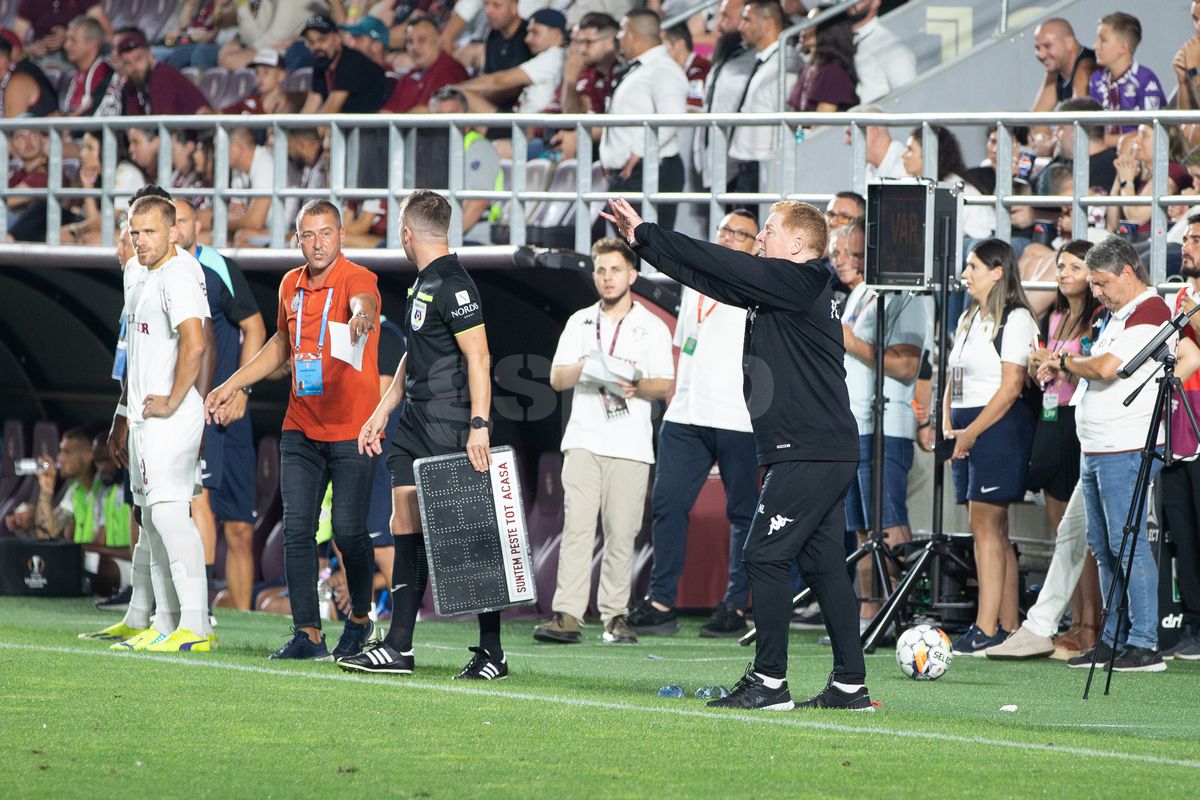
(397, 152)
(1004, 181)
(516, 208)
(455, 180)
(1081, 183)
(53, 186)
(278, 221)
(220, 231)
(583, 185)
(108, 179)
(649, 172)
(1158, 212)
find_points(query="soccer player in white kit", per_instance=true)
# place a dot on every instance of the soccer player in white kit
(166, 307)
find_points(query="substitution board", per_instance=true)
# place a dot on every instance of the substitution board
(474, 525)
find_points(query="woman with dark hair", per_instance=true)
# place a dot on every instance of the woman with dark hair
(979, 222)
(992, 427)
(826, 83)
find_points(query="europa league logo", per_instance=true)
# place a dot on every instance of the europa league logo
(36, 579)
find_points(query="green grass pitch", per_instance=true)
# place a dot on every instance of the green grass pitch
(577, 722)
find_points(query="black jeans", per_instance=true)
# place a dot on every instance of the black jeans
(306, 467)
(670, 179)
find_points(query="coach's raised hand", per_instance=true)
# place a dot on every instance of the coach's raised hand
(623, 217)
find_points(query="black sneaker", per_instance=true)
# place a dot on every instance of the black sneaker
(1186, 649)
(301, 648)
(119, 602)
(646, 619)
(482, 667)
(1139, 659)
(355, 637)
(833, 697)
(381, 658)
(751, 692)
(1084, 660)
(724, 622)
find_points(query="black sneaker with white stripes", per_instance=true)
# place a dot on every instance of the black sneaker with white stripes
(834, 697)
(381, 659)
(753, 693)
(482, 667)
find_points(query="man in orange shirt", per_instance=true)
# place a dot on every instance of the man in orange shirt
(330, 400)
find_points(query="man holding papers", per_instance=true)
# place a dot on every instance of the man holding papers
(616, 355)
(328, 308)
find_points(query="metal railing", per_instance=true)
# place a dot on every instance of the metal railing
(401, 132)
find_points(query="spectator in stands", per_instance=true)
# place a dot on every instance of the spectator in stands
(1187, 73)
(185, 174)
(228, 480)
(432, 69)
(844, 208)
(143, 151)
(992, 429)
(706, 423)
(882, 62)
(269, 96)
(1180, 482)
(273, 24)
(481, 169)
(74, 464)
(506, 46)
(1134, 166)
(905, 326)
(151, 87)
(762, 22)
(652, 83)
(1112, 435)
(86, 228)
(1069, 66)
(90, 90)
(826, 82)
(27, 147)
(44, 24)
(589, 75)
(608, 444)
(537, 79)
(347, 11)
(678, 41)
(885, 156)
(979, 222)
(1054, 471)
(24, 88)
(1101, 172)
(343, 79)
(306, 151)
(1120, 83)
(368, 36)
(733, 63)
(251, 167)
(192, 40)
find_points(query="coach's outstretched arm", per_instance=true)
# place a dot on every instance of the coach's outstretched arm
(219, 405)
(727, 275)
(370, 436)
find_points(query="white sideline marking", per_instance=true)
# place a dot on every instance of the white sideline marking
(763, 718)
(626, 652)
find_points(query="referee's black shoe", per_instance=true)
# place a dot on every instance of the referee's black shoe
(833, 697)
(482, 667)
(381, 658)
(752, 692)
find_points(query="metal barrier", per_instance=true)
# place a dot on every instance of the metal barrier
(401, 132)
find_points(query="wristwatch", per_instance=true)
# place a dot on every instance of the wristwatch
(480, 422)
(248, 390)
(1062, 361)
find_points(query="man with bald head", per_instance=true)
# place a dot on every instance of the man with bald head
(1068, 64)
(227, 471)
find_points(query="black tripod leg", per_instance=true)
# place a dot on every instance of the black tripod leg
(891, 608)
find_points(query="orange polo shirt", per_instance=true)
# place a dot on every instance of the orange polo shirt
(349, 396)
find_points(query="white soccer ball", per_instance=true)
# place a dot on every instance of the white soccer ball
(923, 653)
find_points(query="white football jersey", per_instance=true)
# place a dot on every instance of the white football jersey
(156, 303)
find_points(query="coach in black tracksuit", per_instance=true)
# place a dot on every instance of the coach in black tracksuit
(795, 388)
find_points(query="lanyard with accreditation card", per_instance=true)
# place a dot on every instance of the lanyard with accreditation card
(689, 346)
(306, 367)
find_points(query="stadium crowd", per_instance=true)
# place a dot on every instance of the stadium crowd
(1032, 400)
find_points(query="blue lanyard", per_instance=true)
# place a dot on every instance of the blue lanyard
(324, 318)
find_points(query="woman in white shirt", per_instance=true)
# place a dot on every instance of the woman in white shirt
(992, 425)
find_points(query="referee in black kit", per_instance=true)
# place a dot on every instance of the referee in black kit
(795, 388)
(445, 382)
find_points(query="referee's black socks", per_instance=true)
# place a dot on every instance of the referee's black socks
(489, 634)
(405, 597)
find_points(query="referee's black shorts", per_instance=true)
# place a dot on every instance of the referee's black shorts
(424, 430)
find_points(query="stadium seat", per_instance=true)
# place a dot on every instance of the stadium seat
(545, 573)
(213, 84)
(268, 503)
(239, 85)
(124, 13)
(156, 16)
(298, 81)
(544, 519)
(272, 560)
(55, 76)
(537, 177)
(8, 12)
(14, 448)
(45, 438)
(193, 74)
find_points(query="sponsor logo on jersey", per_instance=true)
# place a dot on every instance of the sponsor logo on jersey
(462, 311)
(462, 298)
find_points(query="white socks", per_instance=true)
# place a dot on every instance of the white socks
(848, 688)
(166, 603)
(180, 539)
(141, 599)
(770, 683)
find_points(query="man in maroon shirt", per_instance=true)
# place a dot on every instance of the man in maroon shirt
(29, 148)
(678, 41)
(151, 87)
(48, 22)
(588, 74)
(88, 85)
(432, 69)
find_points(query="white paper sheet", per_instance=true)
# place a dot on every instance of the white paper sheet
(340, 347)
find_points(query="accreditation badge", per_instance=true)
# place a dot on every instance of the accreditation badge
(419, 311)
(306, 374)
(689, 346)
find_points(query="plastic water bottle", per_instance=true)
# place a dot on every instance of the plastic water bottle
(26, 466)
(324, 593)
(711, 692)
(674, 691)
